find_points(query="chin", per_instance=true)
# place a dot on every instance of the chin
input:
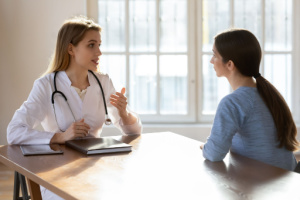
(218, 75)
(94, 68)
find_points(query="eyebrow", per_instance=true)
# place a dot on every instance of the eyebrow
(93, 41)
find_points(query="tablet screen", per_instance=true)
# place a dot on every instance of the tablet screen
(41, 149)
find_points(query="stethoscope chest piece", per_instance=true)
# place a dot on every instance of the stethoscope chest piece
(107, 120)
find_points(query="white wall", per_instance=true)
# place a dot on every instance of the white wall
(28, 30)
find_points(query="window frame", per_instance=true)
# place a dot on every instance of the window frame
(295, 96)
(195, 53)
(296, 62)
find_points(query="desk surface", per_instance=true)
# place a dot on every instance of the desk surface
(161, 166)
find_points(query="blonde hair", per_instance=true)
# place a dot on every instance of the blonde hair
(72, 32)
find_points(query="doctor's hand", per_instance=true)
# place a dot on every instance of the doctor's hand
(119, 101)
(77, 129)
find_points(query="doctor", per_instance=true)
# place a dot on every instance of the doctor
(68, 101)
(72, 100)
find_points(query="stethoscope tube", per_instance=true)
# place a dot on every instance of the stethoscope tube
(56, 91)
(107, 119)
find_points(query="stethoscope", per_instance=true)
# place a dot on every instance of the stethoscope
(107, 119)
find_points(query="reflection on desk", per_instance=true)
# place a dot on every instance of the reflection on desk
(161, 166)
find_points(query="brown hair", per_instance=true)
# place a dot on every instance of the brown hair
(72, 31)
(243, 49)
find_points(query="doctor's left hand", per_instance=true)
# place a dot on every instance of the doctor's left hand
(119, 101)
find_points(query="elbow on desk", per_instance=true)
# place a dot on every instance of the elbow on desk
(11, 135)
(134, 132)
(134, 129)
(10, 139)
(213, 156)
(215, 159)
(9, 132)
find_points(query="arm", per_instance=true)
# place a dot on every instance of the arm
(22, 128)
(119, 101)
(226, 123)
(128, 119)
(76, 130)
(120, 113)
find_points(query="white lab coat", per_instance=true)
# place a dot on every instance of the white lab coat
(38, 109)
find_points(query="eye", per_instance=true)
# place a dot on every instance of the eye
(213, 53)
(91, 45)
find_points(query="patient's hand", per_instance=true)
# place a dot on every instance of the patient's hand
(202, 146)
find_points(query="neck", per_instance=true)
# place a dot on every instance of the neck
(238, 80)
(78, 78)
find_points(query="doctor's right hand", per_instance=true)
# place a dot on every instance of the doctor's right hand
(76, 130)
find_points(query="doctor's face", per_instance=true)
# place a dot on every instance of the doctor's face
(87, 52)
(218, 63)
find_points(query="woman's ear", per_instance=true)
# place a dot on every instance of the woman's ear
(230, 65)
(70, 49)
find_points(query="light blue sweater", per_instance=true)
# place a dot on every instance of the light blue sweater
(244, 125)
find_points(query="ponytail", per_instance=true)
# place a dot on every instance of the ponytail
(282, 116)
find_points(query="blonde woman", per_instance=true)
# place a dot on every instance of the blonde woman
(72, 100)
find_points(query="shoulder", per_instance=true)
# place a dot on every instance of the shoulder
(102, 76)
(237, 107)
(241, 96)
(41, 90)
(242, 99)
(105, 82)
(44, 80)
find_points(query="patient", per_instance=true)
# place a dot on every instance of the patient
(254, 120)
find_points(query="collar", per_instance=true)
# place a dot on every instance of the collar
(64, 77)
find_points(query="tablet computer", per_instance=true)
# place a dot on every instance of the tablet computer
(41, 149)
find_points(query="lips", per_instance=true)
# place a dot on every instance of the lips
(96, 61)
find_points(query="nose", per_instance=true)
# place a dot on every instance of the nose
(211, 60)
(99, 52)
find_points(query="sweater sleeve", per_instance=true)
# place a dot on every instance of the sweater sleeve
(230, 115)
(22, 128)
